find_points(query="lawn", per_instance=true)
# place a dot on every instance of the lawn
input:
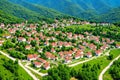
(102, 60)
(10, 76)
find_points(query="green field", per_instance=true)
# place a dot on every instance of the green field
(5, 74)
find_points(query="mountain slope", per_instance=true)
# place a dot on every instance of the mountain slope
(7, 18)
(74, 7)
(86, 9)
(16, 10)
(112, 16)
(46, 12)
(28, 11)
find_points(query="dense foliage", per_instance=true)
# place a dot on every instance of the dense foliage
(62, 72)
(7, 18)
(108, 31)
(14, 68)
(88, 72)
(15, 13)
(86, 9)
(115, 70)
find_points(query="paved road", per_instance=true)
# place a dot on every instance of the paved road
(35, 71)
(19, 62)
(87, 60)
(106, 68)
(82, 62)
(7, 56)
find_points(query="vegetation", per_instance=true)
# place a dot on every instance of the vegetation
(103, 31)
(26, 11)
(7, 18)
(10, 70)
(90, 10)
(62, 72)
(92, 69)
(86, 71)
(114, 72)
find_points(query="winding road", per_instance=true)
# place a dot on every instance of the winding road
(19, 62)
(106, 68)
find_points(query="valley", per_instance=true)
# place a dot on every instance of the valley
(59, 39)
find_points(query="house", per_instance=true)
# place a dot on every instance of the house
(12, 31)
(74, 50)
(29, 40)
(21, 39)
(61, 54)
(60, 43)
(89, 54)
(117, 45)
(54, 44)
(37, 64)
(53, 50)
(46, 43)
(32, 57)
(7, 36)
(46, 66)
(1, 43)
(69, 53)
(80, 51)
(68, 59)
(40, 50)
(98, 52)
(50, 56)
(29, 34)
(41, 60)
(92, 46)
(77, 56)
(28, 47)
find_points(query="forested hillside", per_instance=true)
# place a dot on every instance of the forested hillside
(26, 11)
(100, 10)
(7, 18)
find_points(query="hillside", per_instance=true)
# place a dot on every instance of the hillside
(86, 9)
(7, 18)
(43, 11)
(112, 15)
(27, 11)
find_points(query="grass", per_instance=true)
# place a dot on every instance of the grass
(43, 71)
(107, 76)
(102, 60)
(10, 76)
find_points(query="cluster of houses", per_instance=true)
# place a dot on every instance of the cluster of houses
(38, 62)
(78, 50)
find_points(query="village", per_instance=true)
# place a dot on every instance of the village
(45, 46)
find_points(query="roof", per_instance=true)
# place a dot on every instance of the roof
(30, 56)
(37, 63)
